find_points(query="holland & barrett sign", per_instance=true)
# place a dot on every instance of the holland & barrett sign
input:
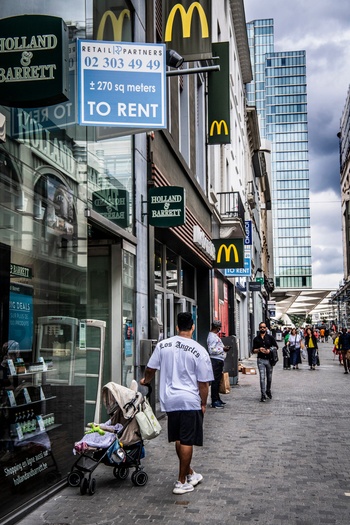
(33, 61)
(166, 206)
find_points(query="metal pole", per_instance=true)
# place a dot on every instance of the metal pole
(180, 72)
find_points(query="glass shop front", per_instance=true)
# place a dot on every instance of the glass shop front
(66, 271)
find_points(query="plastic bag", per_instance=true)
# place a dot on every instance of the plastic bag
(147, 421)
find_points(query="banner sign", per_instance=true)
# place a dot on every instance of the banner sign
(121, 84)
(112, 204)
(21, 316)
(248, 233)
(187, 28)
(166, 206)
(219, 97)
(229, 253)
(112, 21)
(33, 61)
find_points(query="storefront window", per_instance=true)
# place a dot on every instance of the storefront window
(171, 270)
(55, 293)
(187, 279)
(110, 180)
(158, 264)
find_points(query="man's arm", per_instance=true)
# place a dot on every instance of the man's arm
(203, 392)
(149, 375)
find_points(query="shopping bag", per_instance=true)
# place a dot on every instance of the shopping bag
(303, 353)
(224, 387)
(147, 421)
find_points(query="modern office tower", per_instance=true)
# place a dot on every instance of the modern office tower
(279, 93)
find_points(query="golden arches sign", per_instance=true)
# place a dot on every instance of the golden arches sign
(218, 126)
(186, 18)
(227, 250)
(117, 24)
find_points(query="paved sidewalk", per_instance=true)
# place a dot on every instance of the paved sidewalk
(285, 461)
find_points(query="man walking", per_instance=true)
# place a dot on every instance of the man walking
(217, 351)
(185, 373)
(261, 346)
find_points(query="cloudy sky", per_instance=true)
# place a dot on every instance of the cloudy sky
(322, 29)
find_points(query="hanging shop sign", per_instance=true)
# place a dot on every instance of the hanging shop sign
(187, 26)
(121, 84)
(166, 206)
(112, 20)
(248, 233)
(33, 61)
(229, 253)
(219, 105)
(254, 286)
(112, 204)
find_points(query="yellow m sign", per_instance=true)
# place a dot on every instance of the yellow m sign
(227, 250)
(218, 126)
(229, 253)
(186, 19)
(116, 22)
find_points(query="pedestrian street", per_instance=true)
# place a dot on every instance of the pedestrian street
(285, 461)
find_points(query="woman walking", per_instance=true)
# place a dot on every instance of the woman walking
(294, 344)
(311, 345)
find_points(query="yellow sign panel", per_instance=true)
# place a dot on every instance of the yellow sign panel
(218, 126)
(186, 18)
(117, 24)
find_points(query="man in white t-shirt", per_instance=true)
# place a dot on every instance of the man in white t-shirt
(185, 373)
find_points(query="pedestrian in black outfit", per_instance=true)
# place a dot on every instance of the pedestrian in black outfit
(261, 346)
(344, 346)
(311, 346)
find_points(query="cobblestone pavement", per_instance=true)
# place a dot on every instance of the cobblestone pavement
(285, 461)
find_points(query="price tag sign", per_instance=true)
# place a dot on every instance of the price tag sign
(121, 84)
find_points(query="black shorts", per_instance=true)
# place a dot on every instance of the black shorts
(186, 426)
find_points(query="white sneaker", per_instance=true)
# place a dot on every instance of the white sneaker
(194, 478)
(182, 488)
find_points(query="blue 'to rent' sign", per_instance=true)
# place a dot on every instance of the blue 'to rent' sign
(121, 84)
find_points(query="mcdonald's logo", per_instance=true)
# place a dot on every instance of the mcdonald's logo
(227, 250)
(229, 253)
(218, 126)
(186, 20)
(116, 22)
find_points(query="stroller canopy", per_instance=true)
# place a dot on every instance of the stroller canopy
(127, 400)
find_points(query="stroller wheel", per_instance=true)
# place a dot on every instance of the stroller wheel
(74, 478)
(121, 472)
(92, 486)
(83, 486)
(139, 478)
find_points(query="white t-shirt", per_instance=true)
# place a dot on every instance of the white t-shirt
(182, 363)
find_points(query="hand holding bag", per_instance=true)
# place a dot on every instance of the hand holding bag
(147, 421)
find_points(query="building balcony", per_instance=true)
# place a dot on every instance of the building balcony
(231, 210)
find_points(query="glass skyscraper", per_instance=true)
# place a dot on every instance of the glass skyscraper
(279, 93)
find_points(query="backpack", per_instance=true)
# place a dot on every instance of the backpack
(273, 356)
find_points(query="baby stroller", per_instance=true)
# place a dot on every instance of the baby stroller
(116, 443)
